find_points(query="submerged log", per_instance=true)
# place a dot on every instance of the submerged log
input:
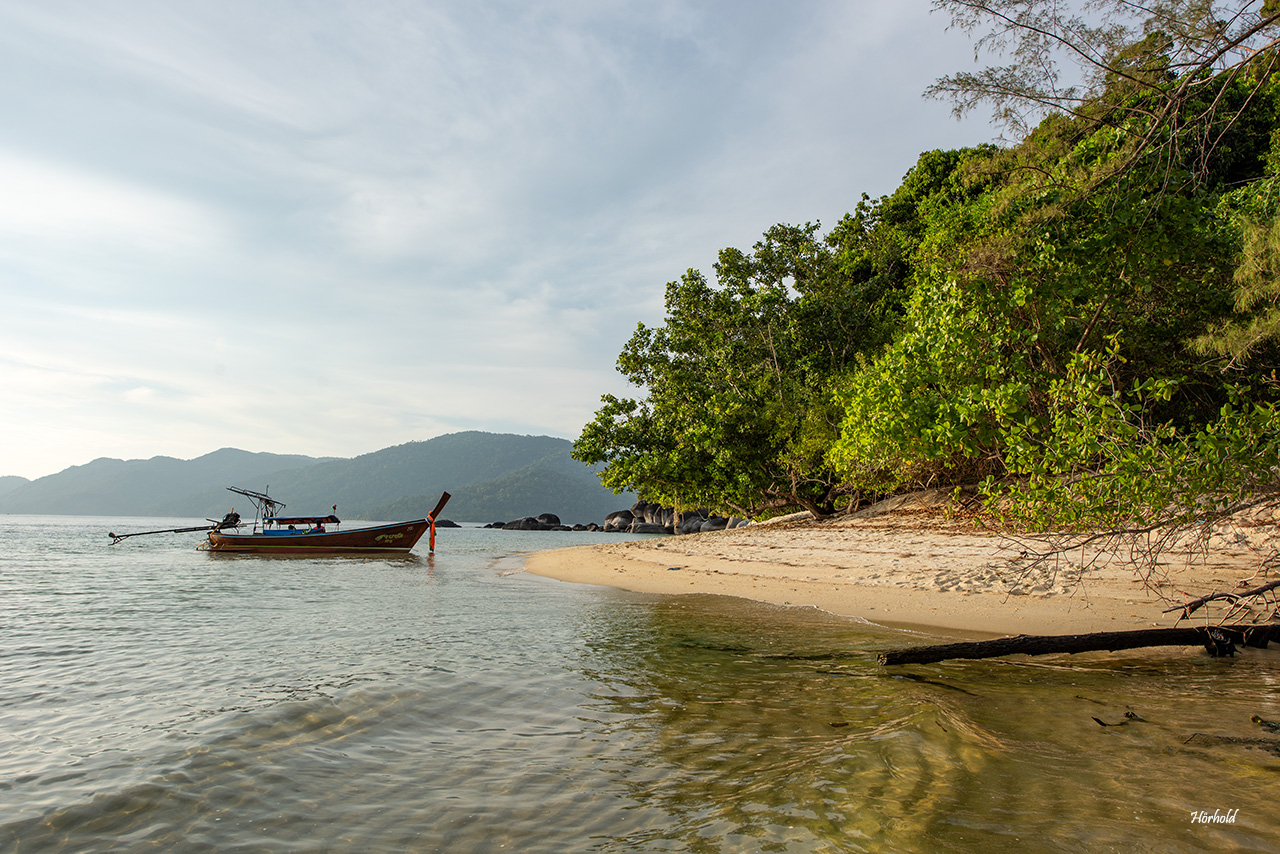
(1217, 641)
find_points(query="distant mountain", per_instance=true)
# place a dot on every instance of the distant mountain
(160, 486)
(548, 486)
(490, 476)
(10, 482)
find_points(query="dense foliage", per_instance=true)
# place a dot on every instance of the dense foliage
(1087, 320)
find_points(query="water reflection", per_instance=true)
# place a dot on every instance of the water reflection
(179, 701)
(780, 732)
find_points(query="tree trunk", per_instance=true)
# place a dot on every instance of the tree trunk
(1217, 641)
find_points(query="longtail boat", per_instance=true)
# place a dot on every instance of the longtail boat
(274, 534)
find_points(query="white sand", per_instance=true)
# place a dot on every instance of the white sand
(917, 569)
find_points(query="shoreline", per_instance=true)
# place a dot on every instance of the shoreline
(915, 570)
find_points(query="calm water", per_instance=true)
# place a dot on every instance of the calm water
(157, 698)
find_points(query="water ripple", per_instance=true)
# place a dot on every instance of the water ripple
(160, 698)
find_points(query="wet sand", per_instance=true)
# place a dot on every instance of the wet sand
(921, 569)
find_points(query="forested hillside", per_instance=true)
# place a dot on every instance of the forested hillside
(1084, 320)
(410, 477)
(159, 486)
(492, 476)
(9, 482)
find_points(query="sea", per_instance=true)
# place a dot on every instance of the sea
(154, 697)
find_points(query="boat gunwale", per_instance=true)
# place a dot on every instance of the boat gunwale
(307, 542)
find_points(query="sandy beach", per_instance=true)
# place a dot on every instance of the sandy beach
(917, 568)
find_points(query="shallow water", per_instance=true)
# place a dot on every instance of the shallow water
(158, 698)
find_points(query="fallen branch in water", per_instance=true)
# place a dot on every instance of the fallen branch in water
(1217, 641)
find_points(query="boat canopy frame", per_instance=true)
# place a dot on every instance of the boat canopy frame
(303, 520)
(266, 509)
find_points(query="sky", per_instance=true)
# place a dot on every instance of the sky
(325, 228)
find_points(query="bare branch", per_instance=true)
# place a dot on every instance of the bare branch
(1138, 60)
(1188, 608)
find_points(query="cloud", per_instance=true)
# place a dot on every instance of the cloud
(58, 203)
(325, 228)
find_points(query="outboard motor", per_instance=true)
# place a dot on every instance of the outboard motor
(231, 520)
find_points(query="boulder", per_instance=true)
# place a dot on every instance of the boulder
(619, 520)
(650, 518)
(528, 523)
(548, 519)
(691, 523)
(640, 511)
(445, 523)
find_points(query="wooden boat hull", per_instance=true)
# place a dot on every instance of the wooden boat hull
(399, 538)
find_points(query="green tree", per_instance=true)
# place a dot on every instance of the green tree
(737, 412)
(1250, 336)
(1032, 265)
(1123, 229)
(1026, 315)
(1152, 71)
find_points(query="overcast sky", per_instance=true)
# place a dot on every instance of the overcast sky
(329, 227)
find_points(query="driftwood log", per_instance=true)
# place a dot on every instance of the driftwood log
(1217, 641)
